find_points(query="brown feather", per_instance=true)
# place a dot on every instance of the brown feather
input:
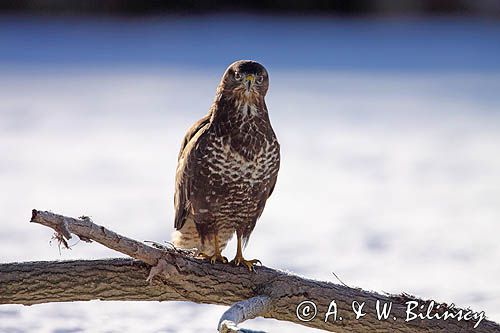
(229, 161)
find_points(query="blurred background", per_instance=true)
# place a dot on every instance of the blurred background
(388, 114)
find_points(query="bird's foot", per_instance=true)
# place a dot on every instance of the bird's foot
(213, 258)
(239, 260)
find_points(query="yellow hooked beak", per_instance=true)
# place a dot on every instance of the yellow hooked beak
(249, 81)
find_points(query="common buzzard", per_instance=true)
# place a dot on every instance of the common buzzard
(227, 167)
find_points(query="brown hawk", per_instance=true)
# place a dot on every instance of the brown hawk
(227, 167)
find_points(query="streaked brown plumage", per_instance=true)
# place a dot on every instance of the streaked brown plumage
(227, 166)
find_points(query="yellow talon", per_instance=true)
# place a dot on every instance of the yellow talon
(217, 256)
(213, 258)
(239, 260)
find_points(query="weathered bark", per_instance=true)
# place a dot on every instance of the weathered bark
(182, 277)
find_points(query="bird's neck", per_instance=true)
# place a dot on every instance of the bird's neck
(236, 113)
(242, 124)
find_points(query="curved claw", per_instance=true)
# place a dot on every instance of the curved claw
(248, 263)
(214, 258)
(218, 257)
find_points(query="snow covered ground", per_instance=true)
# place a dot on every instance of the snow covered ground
(390, 134)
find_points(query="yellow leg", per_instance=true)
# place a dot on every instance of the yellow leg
(238, 260)
(217, 256)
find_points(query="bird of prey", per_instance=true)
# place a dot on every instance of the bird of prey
(227, 167)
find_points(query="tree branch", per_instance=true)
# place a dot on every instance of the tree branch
(251, 308)
(179, 276)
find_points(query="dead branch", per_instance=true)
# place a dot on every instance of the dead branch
(239, 312)
(175, 275)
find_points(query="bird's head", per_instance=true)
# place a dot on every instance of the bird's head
(245, 79)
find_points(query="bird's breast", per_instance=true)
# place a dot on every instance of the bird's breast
(238, 166)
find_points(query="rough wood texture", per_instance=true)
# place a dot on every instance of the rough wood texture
(182, 277)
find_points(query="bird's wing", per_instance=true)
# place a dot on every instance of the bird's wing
(275, 177)
(199, 125)
(184, 174)
(272, 185)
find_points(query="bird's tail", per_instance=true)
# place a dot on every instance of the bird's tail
(188, 238)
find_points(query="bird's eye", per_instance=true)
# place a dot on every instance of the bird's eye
(259, 79)
(237, 76)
